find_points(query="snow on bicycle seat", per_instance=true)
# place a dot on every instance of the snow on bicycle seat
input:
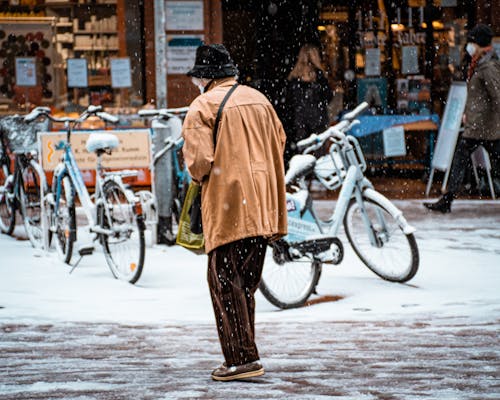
(101, 141)
(300, 164)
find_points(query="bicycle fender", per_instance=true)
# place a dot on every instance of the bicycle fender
(391, 209)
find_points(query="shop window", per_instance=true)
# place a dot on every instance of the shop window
(53, 32)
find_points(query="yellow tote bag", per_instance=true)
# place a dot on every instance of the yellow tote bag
(185, 237)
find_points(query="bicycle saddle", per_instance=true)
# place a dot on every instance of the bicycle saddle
(101, 141)
(300, 165)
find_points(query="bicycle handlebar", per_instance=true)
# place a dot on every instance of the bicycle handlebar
(164, 113)
(36, 112)
(113, 119)
(169, 143)
(315, 141)
(354, 113)
(91, 110)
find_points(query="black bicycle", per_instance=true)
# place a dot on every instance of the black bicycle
(21, 186)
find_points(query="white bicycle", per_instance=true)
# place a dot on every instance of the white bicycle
(375, 227)
(115, 213)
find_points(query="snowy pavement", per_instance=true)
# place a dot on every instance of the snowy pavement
(88, 336)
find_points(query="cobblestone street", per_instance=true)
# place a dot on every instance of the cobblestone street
(445, 359)
(85, 336)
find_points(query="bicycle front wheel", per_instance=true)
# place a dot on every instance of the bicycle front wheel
(288, 284)
(7, 209)
(30, 199)
(64, 219)
(389, 253)
(124, 245)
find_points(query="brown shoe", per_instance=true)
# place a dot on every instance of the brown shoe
(249, 370)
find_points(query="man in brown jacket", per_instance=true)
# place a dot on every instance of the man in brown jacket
(482, 113)
(243, 198)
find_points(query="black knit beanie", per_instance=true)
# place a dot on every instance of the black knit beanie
(481, 35)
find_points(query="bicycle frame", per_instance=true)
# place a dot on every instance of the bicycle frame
(347, 152)
(69, 166)
(354, 184)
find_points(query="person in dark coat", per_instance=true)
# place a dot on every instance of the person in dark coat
(307, 98)
(482, 113)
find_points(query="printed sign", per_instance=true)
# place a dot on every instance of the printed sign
(134, 150)
(450, 126)
(394, 141)
(410, 60)
(25, 71)
(372, 66)
(181, 52)
(184, 15)
(121, 76)
(77, 72)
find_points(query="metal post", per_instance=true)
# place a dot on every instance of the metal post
(162, 174)
(160, 54)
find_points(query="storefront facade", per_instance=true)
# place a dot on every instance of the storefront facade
(399, 55)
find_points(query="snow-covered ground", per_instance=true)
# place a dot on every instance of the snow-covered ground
(87, 336)
(459, 275)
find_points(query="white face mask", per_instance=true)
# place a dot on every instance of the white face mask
(199, 83)
(471, 49)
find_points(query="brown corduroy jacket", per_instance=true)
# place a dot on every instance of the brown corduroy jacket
(243, 187)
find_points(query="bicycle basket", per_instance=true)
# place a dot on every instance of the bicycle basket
(330, 169)
(21, 136)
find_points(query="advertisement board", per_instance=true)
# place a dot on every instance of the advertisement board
(133, 152)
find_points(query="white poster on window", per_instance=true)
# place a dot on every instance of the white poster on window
(25, 71)
(184, 15)
(394, 141)
(181, 52)
(372, 65)
(77, 73)
(410, 60)
(121, 76)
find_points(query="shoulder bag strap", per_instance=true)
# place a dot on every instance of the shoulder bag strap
(219, 113)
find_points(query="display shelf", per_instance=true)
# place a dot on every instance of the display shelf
(96, 48)
(83, 32)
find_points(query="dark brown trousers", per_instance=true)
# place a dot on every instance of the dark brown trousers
(234, 272)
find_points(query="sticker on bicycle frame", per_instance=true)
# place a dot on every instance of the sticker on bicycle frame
(299, 228)
(290, 205)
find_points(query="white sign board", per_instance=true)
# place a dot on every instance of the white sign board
(121, 76)
(448, 132)
(394, 141)
(181, 52)
(372, 65)
(409, 64)
(450, 126)
(25, 71)
(134, 150)
(184, 15)
(77, 72)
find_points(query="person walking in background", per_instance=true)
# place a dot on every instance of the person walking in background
(307, 98)
(482, 113)
(243, 198)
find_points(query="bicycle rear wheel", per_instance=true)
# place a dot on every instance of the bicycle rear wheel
(124, 247)
(30, 198)
(64, 219)
(288, 283)
(394, 255)
(7, 210)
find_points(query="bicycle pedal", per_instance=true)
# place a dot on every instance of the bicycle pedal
(86, 250)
